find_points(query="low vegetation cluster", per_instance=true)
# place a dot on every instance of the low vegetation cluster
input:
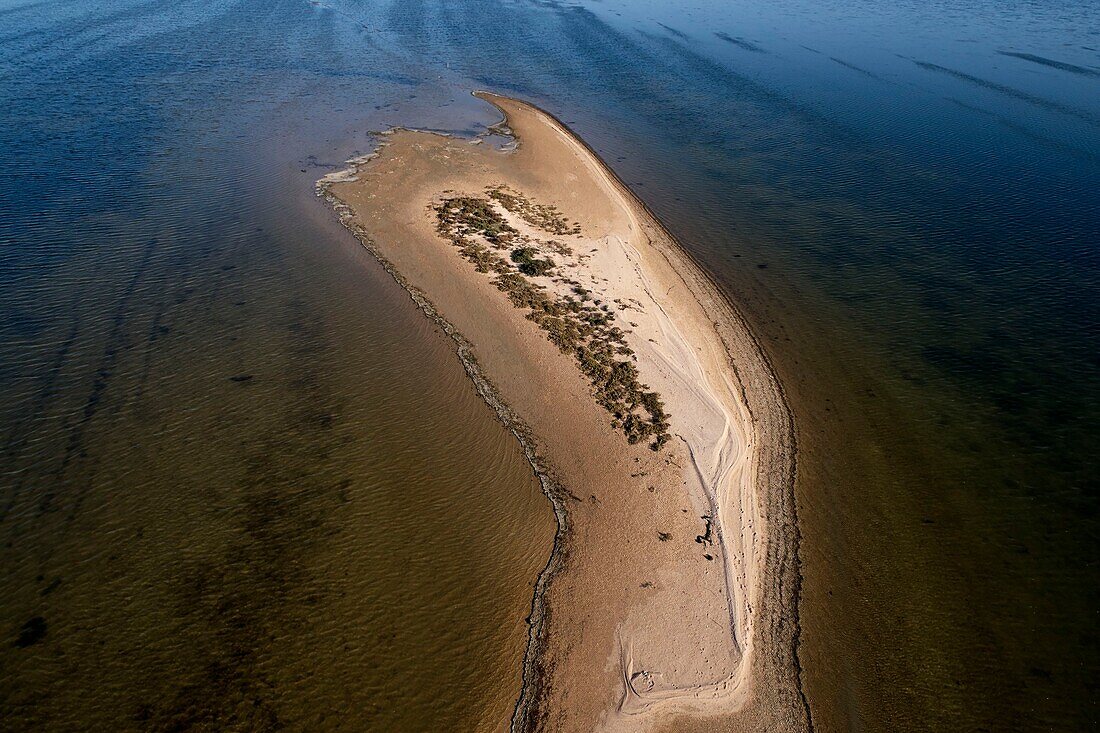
(576, 323)
(540, 216)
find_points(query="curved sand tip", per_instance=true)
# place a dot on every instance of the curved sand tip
(672, 591)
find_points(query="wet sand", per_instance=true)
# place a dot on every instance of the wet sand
(669, 600)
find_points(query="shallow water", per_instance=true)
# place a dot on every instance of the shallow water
(902, 197)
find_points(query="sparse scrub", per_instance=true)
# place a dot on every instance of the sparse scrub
(546, 218)
(529, 264)
(576, 325)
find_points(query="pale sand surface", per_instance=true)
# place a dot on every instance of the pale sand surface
(643, 620)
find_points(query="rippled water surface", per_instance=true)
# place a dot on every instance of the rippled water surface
(246, 485)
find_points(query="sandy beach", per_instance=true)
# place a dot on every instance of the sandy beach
(647, 408)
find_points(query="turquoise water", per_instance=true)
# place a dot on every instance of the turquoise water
(901, 196)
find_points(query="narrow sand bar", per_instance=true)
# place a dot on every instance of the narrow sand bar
(646, 406)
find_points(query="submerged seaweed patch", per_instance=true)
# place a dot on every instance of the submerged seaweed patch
(575, 323)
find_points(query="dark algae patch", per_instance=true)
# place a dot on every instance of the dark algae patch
(31, 632)
(575, 323)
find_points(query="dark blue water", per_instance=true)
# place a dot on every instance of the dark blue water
(903, 197)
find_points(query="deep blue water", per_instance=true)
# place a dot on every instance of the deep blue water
(904, 197)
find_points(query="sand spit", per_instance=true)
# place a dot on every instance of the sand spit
(644, 403)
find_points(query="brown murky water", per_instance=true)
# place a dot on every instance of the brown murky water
(316, 523)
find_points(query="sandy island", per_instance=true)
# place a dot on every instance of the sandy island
(646, 406)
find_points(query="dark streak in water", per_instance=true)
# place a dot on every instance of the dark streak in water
(1060, 65)
(19, 436)
(117, 342)
(260, 582)
(723, 78)
(22, 8)
(739, 42)
(673, 31)
(1010, 92)
(855, 68)
(1021, 130)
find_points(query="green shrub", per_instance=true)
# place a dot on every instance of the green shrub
(528, 264)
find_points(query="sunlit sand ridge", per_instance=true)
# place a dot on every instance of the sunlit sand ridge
(645, 404)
